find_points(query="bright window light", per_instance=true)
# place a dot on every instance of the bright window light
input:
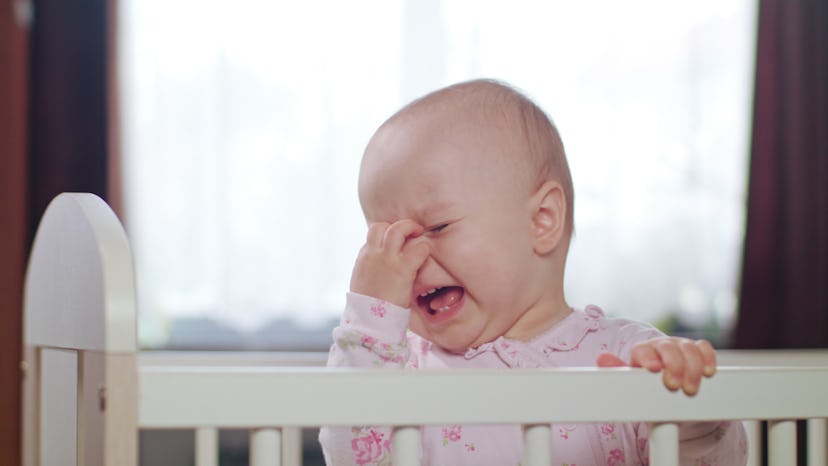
(243, 124)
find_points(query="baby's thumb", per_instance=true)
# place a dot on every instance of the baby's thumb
(416, 252)
(610, 360)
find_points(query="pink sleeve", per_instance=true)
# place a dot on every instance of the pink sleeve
(372, 333)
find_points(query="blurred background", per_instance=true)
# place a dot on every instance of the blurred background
(242, 133)
(227, 136)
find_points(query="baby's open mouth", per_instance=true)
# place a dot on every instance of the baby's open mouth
(440, 299)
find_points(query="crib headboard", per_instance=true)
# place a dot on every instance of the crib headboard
(80, 380)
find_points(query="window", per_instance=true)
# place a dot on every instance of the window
(244, 123)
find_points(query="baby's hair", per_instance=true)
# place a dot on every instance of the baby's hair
(496, 99)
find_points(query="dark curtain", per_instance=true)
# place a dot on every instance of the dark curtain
(68, 102)
(784, 290)
(55, 130)
(13, 181)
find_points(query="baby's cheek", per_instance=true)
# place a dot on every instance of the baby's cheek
(416, 324)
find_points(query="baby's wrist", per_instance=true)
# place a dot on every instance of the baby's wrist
(373, 316)
(383, 294)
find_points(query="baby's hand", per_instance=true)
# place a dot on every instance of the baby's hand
(683, 362)
(388, 262)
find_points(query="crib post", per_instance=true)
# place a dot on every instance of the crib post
(405, 446)
(782, 443)
(817, 441)
(753, 429)
(58, 407)
(29, 425)
(291, 446)
(536, 445)
(664, 444)
(206, 446)
(107, 393)
(80, 375)
(265, 447)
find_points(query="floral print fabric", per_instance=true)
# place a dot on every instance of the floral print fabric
(373, 333)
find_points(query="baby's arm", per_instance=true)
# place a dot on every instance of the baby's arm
(682, 361)
(373, 330)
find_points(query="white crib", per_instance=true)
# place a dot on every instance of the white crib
(87, 391)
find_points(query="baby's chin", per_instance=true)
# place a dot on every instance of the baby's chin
(452, 342)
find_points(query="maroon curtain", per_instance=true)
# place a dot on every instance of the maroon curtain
(784, 290)
(13, 220)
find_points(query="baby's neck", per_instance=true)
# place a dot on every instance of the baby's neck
(538, 321)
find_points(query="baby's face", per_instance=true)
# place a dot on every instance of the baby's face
(458, 182)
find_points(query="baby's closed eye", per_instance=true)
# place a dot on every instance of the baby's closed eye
(437, 228)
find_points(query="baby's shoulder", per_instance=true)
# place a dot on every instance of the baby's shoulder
(617, 332)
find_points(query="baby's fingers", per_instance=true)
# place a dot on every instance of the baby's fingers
(708, 354)
(397, 234)
(693, 366)
(415, 252)
(376, 234)
(644, 355)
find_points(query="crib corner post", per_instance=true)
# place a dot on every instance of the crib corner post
(29, 419)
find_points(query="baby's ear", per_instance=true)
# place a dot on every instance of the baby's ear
(548, 217)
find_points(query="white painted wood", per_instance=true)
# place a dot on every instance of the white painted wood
(664, 444)
(753, 429)
(773, 357)
(265, 447)
(79, 300)
(405, 446)
(80, 291)
(818, 441)
(782, 443)
(58, 407)
(120, 397)
(537, 445)
(30, 415)
(176, 397)
(232, 358)
(206, 446)
(291, 446)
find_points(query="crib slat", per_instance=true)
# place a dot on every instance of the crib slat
(754, 439)
(291, 446)
(206, 446)
(265, 447)
(817, 438)
(536, 445)
(58, 409)
(405, 446)
(781, 443)
(664, 443)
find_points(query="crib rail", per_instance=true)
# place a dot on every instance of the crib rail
(265, 399)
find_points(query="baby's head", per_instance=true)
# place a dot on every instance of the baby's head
(483, 169)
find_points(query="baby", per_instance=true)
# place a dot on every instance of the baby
(469, 202)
